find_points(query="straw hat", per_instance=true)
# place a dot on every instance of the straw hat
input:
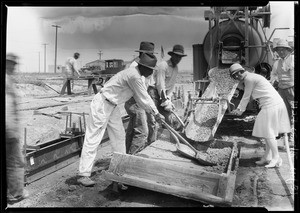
(283, 43)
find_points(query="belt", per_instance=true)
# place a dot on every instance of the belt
(108, 100)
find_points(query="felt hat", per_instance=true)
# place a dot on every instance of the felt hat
(282, 43)
(235, 68)
(12, 57)
(147, 60)
(178, 50)
(146, 47)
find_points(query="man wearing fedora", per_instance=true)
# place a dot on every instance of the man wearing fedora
(105, 113)
(283, 73)
(162, 89)
(14, 157)
(137, 129)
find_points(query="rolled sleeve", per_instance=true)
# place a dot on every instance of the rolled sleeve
(141, 95)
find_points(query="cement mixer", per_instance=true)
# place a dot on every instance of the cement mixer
(235, 35)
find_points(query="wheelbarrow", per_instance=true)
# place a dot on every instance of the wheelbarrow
(187, 149)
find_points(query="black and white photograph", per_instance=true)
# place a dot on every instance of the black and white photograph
(150, 106)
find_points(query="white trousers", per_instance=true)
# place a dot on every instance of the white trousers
(103, 115)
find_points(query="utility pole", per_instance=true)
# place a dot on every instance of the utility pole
(100, 53)
(45, 57)
(56, 26)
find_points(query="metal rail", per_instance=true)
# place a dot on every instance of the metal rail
(49, 157)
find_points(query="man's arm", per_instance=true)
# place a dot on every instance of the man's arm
(141, 95)
(75, 67)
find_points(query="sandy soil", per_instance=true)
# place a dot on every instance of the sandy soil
(254, 186)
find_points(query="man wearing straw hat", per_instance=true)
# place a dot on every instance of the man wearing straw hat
(137, 129)
(283, 73)
(105, 113)
(161, 92)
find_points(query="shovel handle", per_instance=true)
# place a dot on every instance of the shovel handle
(178, 118)
(178, 135)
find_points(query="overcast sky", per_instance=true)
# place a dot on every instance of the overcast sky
(116, 31)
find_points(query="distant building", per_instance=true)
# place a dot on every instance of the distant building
(96, 65)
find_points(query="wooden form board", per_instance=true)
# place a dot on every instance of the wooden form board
(158, 168)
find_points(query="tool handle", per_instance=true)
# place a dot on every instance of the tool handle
(178, 118)
(179, 136)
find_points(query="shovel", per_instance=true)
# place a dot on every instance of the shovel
(35, 112)
(188, 150)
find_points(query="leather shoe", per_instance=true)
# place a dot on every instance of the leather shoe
(86, 181)
(12, 200)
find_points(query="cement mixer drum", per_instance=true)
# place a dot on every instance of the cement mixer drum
(231, 34)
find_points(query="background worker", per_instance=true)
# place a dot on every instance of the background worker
(272, 118)
(14, 156)
(283, 73)
(105, 113)
(137, 129)
(72, 67)
(162, 89)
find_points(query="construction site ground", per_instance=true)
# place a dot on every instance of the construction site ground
(255, 186)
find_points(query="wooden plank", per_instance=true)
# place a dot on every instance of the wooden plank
(164, 177)
(230, 189)
(164, 173)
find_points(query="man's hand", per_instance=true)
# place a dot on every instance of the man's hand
(159, 118)
(168, 105)
(236, 112)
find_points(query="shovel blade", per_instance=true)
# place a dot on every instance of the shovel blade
(188, 152)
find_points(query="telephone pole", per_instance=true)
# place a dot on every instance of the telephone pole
(56, 26)
(45, 57)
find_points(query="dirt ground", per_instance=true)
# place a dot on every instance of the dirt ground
(255, 186)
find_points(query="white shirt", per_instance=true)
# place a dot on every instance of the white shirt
(165, 77)
(126, 84)
(259, 88)
(283, 72)
(71, 65)
(149, 80)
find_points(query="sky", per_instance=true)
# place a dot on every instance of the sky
(115, 31)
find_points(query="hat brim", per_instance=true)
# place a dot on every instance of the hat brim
(237, 70)
(176, 53)
(145, 51)
(287, 47)
(13, 61)
(138, 61)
